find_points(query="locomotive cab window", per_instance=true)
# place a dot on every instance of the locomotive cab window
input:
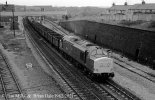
(61, 43)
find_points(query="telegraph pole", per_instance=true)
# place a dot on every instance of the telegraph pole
(13, 22)
(0, 19)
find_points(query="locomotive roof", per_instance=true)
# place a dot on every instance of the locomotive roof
(80, 42)
(58, 36)
(54, 33)
(86, 45)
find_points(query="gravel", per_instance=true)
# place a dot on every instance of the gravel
(134, 83)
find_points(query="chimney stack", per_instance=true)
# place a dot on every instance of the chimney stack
(143, 2)
(125, 3)
(113, 4)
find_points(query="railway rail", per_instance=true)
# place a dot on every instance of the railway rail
(58, 28)
(11, 89)
(82, 86)
(133, 69)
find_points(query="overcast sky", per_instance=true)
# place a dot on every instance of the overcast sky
(99, 3)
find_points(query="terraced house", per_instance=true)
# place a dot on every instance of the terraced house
(143, 11)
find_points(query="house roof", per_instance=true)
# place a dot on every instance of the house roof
(148, 6)
(143, 6)
(120, 7)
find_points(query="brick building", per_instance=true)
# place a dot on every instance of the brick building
(143, 11)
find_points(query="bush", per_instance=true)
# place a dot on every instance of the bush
(130, 23)
(152, 24)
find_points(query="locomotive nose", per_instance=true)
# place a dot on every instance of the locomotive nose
(103, 65)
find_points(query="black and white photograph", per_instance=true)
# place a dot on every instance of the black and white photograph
(77, 49)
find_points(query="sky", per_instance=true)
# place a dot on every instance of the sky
(79, 3)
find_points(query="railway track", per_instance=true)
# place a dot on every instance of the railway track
(133, 69)
(10, 88)
(58, 28)
(83, 87)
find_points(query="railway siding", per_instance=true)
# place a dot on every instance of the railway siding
(135, 43)
(10, 87)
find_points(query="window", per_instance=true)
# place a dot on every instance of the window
(61, 43)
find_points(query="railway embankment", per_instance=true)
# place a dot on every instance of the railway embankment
(134, 43)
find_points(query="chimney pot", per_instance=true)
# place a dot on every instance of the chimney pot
(143, 2)
(125, 3)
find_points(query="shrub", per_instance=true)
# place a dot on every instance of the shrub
(130, 23)
(152, 24)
